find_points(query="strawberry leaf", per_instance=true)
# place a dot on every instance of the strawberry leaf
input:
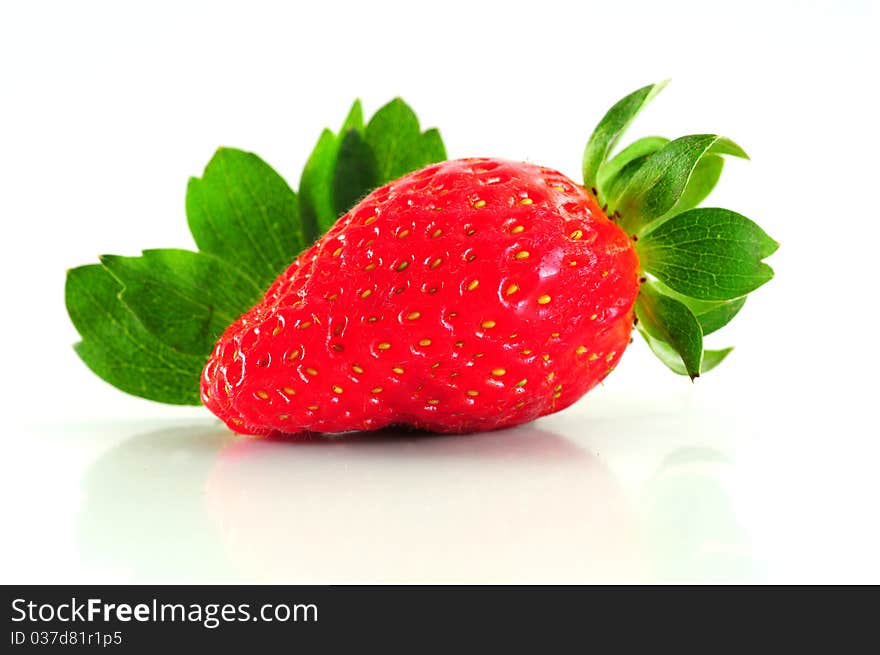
(398, 143)
(712, 358)
(356, 172)
(720, 314)
(660, 183)
(703, 179)
(708, 254)
(708, 260)
(433, 149)
(244, 213)
(611, 128)
(184, 298)
(666, 319)
(319, 206)
(712, 314)
(666, 354)
(119, 349)
(345, 167)
(636, 151)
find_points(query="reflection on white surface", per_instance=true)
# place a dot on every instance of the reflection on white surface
(144, 507)
(522, 504)
(193, 503)
(690, 523)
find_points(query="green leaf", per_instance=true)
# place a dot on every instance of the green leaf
(703, 179)
(712, 358)
(666, 354)
(618, 184)
(660, 182)
(355, 118)
(119, 349)
(343, 168)
(243, 212)
(712, 320)
(712, 314)
(317, 206)
(398, 143)
(708, 254)
(317, 190)
(185, 299)
(356, 172)
(433, 149)
(636, 151)
(611, 128)
(670, 321)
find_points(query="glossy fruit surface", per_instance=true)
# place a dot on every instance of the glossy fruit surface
(470, 295)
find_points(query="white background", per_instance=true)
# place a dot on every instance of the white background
(764, 470)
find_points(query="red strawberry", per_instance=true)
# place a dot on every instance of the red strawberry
(470, 295)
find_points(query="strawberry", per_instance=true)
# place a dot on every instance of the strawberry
(470, 295)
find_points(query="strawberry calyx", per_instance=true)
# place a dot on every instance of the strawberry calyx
(697, 264)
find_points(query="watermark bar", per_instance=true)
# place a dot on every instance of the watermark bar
(328, 619)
